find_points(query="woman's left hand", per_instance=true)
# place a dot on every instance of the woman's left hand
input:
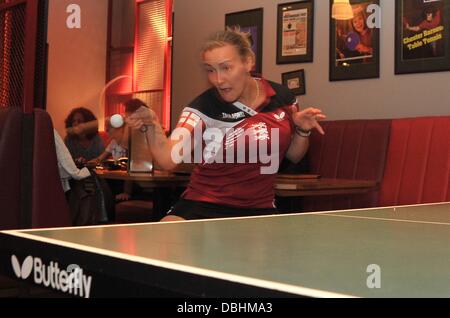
(308, 119)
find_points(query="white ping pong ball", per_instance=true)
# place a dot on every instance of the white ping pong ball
(116, 121)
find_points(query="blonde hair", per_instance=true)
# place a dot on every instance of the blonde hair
(361, 11)
(235, 37)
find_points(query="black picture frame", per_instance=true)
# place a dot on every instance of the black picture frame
(250, 21)
(295, 43)
(424, 50)
(295, 81)
(351, 57)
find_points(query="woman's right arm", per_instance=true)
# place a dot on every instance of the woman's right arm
(160, 145)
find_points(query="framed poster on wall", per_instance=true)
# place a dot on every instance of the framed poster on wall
(295, 81)
(295, 32)
(355, 44)
(422, 41)
(250, 22)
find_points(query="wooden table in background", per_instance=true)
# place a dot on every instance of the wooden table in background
(312, 185)
(286, 186)
(291, 189)
(147, 180)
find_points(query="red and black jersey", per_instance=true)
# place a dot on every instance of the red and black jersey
(229, 174)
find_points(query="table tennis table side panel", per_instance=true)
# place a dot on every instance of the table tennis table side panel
(112, 276)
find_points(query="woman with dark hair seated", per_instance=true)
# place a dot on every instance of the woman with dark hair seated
(83, 140)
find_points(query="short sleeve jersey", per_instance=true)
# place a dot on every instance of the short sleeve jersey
(239, 149)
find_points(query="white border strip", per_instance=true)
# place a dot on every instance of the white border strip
(292, 289)
(331, 212)
(386, 219)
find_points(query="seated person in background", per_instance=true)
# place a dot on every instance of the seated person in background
(82, 138)
(133, 105)
(66, 166)
(117, 148)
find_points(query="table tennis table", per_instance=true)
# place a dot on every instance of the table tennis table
(399, 251)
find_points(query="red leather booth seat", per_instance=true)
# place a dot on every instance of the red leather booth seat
(10, 176)
(418, 163)
(10, 167)
(350, 149)
(49, 206)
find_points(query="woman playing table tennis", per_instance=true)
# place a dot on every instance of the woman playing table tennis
(237, 132)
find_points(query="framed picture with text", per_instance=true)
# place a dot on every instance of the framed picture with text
(295, 32)
(422, 42)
